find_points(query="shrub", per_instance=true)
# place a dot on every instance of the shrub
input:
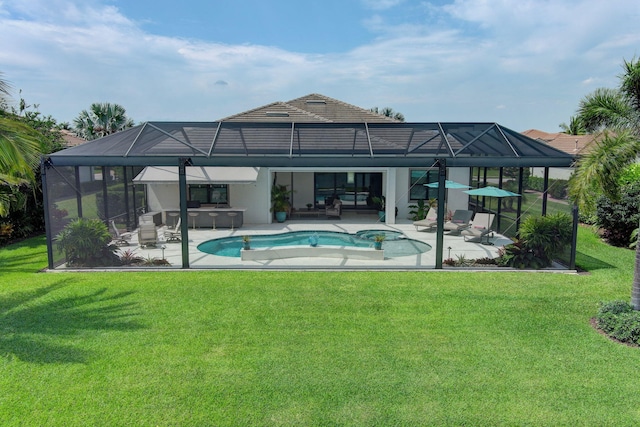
(620, 218)
(129, 257)
(541, 238)
(618, 320)
(87, 243)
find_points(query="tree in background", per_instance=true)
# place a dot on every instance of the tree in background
(575, 126)
(388, 112)
(616, 113)
(102, 119)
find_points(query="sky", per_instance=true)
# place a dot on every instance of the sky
(521, 63)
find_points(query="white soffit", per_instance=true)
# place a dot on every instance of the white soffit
(198, 175)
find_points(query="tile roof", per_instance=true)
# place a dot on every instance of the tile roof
(309, 109)
(571, 144)
(70, 139)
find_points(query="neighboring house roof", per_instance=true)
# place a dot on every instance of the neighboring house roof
(575, 145)
(309, 109)
(70, 139)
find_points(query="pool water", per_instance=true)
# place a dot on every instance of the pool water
(396, 245)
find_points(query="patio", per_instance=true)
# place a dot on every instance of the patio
(349, 223)
(315, 147)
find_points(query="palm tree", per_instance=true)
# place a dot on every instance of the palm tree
(19, 152)
(100, 120)
(575, 126)
(615, 112)
(388, 112)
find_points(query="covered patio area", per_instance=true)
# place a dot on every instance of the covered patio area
(314, 146)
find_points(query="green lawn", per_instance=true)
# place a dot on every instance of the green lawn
(200, 348)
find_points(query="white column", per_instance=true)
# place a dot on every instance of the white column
(390, 212)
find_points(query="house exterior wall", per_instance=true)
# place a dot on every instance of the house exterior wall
(457, 198)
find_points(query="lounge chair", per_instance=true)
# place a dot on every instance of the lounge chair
(147, 234)
(459, 221)
(174, 234)
(430, 221)
(479, 227)
(334, 210)
(120, 239)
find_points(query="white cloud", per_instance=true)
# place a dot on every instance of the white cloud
(466, 60)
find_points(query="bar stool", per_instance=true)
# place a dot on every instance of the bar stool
(213, 216)
(174, 216)
(194, 215)
(232, 215)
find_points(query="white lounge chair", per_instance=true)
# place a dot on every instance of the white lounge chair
(147, 234)
(174, 234)
(459, 221)
(120, 239)
(479, 227)
(430, 221)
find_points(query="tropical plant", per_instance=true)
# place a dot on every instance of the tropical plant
(87, 243)
(420, 209)
(379, 202)
(280, 198)
(102, 118)
(618, 111)
(129, 257)
(20, 150)
(575, 126)
(540, 239)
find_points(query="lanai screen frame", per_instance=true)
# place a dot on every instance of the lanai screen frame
(318, 144)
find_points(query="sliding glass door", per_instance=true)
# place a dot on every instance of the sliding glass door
(355, 189)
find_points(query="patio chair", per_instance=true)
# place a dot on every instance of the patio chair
(147, 235)
(479, 227)
(174, 234)
(120, 239)
(459, 221)
(430, 221)
(334, 210)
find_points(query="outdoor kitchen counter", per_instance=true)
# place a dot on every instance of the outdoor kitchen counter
(204, 220)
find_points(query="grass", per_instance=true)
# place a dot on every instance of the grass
(200, 348)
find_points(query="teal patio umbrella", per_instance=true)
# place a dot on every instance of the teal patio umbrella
(491, 192)
(447, 184)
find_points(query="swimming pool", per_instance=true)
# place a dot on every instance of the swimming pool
(395, 244)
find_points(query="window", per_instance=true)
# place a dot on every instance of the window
(209, 193)
(417, 180)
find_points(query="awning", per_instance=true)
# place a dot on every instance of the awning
(198, 175)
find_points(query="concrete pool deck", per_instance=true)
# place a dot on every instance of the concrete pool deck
(454, 245)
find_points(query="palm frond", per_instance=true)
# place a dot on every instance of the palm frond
(599, 171)
(606, 108)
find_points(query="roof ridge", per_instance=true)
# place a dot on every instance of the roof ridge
(346, 104)
(251, 110)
